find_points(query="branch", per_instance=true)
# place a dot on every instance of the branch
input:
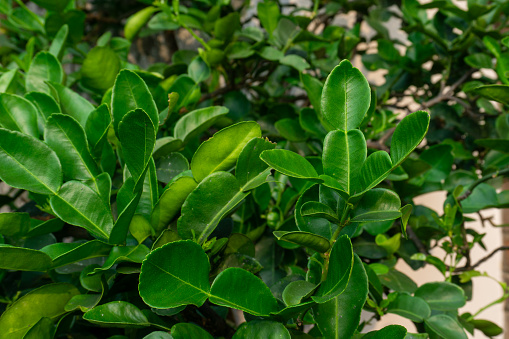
(449, 93)
(480, 181)
(469, 268)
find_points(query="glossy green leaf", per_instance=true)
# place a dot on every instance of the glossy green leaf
(345, 98)
(165, 146)
(44, 227)
(18, 114)
(340, 268)
(136, 22)
(268, 13)
(212, 199)
(44, 103)
(397, 281)
(127, 201)
(131, 93)
(117, 314)
(262, 329)
(133, 254)
(189, 330)
(498, 93)
(73, 104)
(445, 326)
(487, 327)
(15, 224)
(100, 68)
(318, 226)
(150, 191)
(170, 202)
(66, 253)
(296, 291)
(317, 209)
(390, 331)
(137, 137)
(22, 157)
(43, 329)
(198, 70)
(24, 259)
(96, 129)
(79, 205)
(175, 274)
(406, 211)
(340, 317)
(413, 308)
(343, 155)
(306, 239)
(83, 302)
(313, 88)
(67, 138)
(44, 67)
(46, 301)
(196, 122)
(8, 81)
(391, 244)
(251, 171)
(442, 296)
(290, 163)
(140, 228)
(408, 135)
(57, 45)
(242, 290)
(375, 169)
(378, 204)
(330, 182)
(220, 152)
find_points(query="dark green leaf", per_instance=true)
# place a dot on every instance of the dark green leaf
(23, 259)
(442, 296)
(498, 93)
(14, 224)
(310, 240)
(445, 326)
(296, 291)
(117, 314)
(378, 204)
(66, 253)
(73, 104)
(391, 331)
(408, 135)
(44, 67)
(413, 308)
(185, 331)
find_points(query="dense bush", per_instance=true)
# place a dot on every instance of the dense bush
(242, 163)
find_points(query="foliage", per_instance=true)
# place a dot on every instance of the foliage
(257, 170)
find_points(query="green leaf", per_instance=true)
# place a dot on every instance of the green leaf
(23, 259)
(21, 169)
(131, 93)
(127, 201)
(7, 80)
(343, 155)
(408, 135)
(270, 53)
(397, 281)
(170, 202)
(79, 205)
(45, 227)
(43, 329)
(441, 160)
(100, 68)
(479, 60)
(345, 98)
(220, 152)
(161, 334)
(57, 45)
(445, 326)
(44, 103)
(413, 308)
(291, 164)
(67, 138)
(306, 239)
(340, 317)
(175, 274)
(406, 211)
(140, 228)
(136, 21)
(198, 70)
(67, 253)
(117, 314)
(18, 114)
(196, 122)
(44, 67)
(137, 137)
(378, 204)
(487, 327)
(290, 129)
(317, 209)
(262, 328)
(242, 290)
(250, 170)
(296, 291)
(226, 26)
(374, 170)
(188, 330)
(498, 93)
(339, 271)
(268, 13)
(46, 301)
(96, 129)
(133, 254)
(442, 296)
(212, 199)
(391, 244)
(318, 226)
(166, 146)
(73, 104)
(52, 5)
(295, 61)
(15, 224)
(390, 331)
(314, 89)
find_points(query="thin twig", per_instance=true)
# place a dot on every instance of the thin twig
(480, 181)
(469, 268)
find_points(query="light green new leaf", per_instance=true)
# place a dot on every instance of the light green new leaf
(100, 68)
(317, 209)
(340, 268)
(220, 152)
(445, 326)
(117, 314)
(170, 202)
(443, 296)
(136, 21)
(46, 301)
(205, 206)
(345, 97)
(378, 204)
(306, 239)
(196, 122)
(28, 163)
(291, 164)
(343, 155)
(175, 274)
(408, 135)
(131, 93)
(251, 171)
(79, 205)
(66, 253)
(406, 211)
(44, 67)
(140, 228)
(18, 114)
(242, 290)
(413, 308)
(374, 170)
(24, 259)
(67, 138)
(73, 104)
(260, 328)
(137, 137)
(340, 317)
